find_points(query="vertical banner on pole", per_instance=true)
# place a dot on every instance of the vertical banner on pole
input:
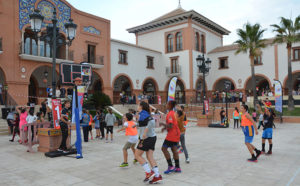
(172, 89)
(56, 110)
(80, 90)
(206, 104)
(278, 96)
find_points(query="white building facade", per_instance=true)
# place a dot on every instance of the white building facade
(172, 43)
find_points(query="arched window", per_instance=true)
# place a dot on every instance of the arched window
(197, 40)
(203, 49)
(178, 41)
(30, 43)
(170, 43)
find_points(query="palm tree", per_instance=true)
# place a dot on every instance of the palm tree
(288, 32)
(250, 41)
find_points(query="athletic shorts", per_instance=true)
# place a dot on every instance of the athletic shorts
(128, 145)
(109, 129)
(147, 144)
(267, 133)
(90, 127)
(170, 144)
(249, 133)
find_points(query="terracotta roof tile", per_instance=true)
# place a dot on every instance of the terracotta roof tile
(170, 14)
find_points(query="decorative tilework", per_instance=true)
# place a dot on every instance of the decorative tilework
(26, 7)
(91, 29)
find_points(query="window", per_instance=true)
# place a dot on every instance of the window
(203, 49)
(30, 43)
(170, 43)
(150, 62)
(122, 57)
(91, 54)
(223, 62)
(178, 41)
(257, 60)
(174, 65)
(197, 39)
(296, 54)
(45, 50)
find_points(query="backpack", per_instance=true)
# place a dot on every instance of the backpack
(144, 123)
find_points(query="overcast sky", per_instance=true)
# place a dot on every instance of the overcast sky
(231, 14)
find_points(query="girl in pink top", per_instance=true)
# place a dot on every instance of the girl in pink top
(23, 115)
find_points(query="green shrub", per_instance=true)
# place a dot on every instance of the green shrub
(96, 101)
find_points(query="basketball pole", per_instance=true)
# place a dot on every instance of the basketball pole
(78, 143)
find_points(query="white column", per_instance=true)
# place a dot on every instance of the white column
(67, 52)
(22, 43)
(38, 44)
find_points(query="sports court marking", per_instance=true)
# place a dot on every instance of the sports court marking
(292, 179)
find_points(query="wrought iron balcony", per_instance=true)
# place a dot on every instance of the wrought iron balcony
(175, 71)
(95, 60)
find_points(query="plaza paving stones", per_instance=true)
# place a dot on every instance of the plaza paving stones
(218, 157)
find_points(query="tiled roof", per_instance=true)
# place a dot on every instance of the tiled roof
(170, 14)
(235, 47)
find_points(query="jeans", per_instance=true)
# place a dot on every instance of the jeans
(64, 135)
(182, 141)
(102, 129)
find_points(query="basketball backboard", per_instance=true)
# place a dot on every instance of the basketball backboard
(69, 71)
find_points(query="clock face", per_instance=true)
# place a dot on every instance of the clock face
(23, 69)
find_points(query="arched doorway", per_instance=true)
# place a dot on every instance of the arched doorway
(2, 85)
(295, 83)
(179, 91)
(122, 84)
(96, 84)
(262, 85)
(199, 90)
(149, 89)
(40, 80)
(220, 84)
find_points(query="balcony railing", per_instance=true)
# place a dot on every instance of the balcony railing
(97, 60)
(42, 54)
(173, 71)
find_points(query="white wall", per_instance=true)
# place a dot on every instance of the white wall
(137, 63)
(156, 40)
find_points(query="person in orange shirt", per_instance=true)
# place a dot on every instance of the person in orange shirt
(90, 124)
(131, 131)
(172, 139)
(249, 126)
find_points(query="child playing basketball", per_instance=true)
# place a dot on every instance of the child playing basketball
(131, 131)
(172, 139)
(248, 127)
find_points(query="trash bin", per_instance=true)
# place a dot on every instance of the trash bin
(5, 112)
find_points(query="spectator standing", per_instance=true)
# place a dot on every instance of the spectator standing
(110, 120)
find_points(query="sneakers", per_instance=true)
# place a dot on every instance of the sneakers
(60, 150)
(258, 153)
(106, 141)
(177, 170)
(135, 161)
(11, 140)
(156, 180)
(149, 176)
(269, 153)
(263, 152)
(252, 160)
(169, 170)
(124, 164)
(187, 160)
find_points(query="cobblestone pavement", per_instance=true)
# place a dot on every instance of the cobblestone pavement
(218, 157)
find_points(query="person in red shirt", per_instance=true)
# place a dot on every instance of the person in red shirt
(268, 103)
(172, 139)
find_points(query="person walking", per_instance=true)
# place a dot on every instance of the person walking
(90, 124)
(10, 119)
(131, 131)
(110, 120)
(147, 141)
(249, 126)
(16, 130)
(236, 117)
(23, 112)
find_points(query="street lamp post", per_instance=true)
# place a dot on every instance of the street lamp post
(227, 85)
(52, 37)
(204, 67)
